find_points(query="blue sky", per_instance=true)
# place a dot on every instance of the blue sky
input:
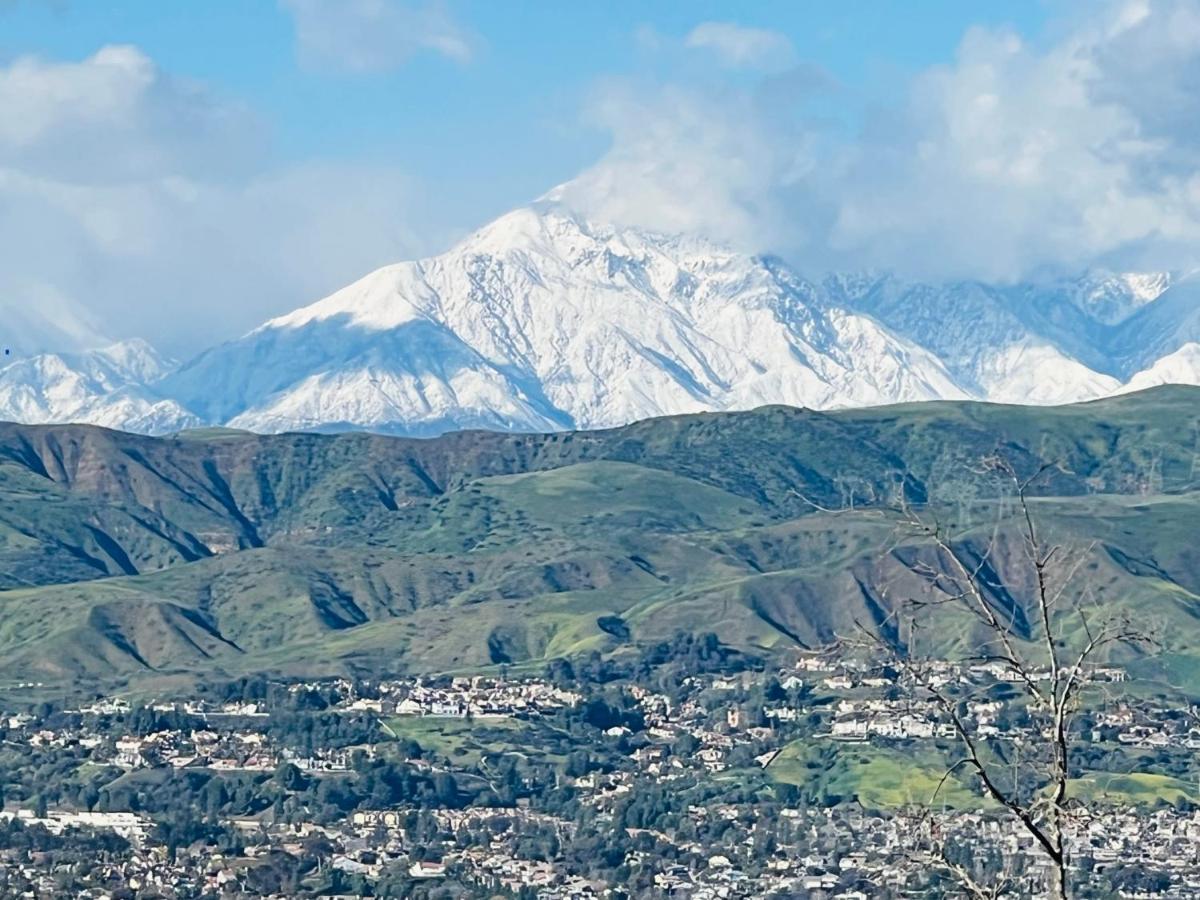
(504, 125)
(183, 170)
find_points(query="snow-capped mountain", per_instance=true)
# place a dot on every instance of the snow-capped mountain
(1179, 367)
(107, 387)
(1111, 298)
(1160, 328)
(1010, 345)
(543, 320)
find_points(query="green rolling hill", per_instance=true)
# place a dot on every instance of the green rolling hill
(127, 559)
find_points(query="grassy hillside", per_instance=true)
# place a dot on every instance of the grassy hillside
(125, 557)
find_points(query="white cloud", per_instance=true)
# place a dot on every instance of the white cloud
(1012, 159)
(740, 47)
(1015, 158)
(148, 201)
(133, 119)
(687, 161)
(375, 35)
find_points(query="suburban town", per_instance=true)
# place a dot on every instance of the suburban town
(717, 784)
(541, 450)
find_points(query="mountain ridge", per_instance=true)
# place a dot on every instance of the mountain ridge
(542, 320)
(127, 557)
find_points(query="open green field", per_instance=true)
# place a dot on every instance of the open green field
(886, 778)
(1135, 789)
(465, 743)
(877, 777)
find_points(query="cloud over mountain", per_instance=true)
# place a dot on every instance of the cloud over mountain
(1013, 158)
(174, 223)
(1019, 157)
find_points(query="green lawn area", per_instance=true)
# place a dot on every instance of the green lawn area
(463, 742)
(879, 777)
(1136, 788)
(886, 778)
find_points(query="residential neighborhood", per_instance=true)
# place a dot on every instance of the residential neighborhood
(714, 786)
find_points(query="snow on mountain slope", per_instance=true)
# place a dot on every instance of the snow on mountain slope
(1011, 345)
(1036, 373)
(543, 320)
(1160, 328)
(1180, 367)
(103, 387)
(57, 366)
(1111, 298)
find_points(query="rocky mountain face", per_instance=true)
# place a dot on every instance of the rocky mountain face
(543, 321)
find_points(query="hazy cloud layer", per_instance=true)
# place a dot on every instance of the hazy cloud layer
(151, 200)
(685, 161)
(133, 120)
(740, 47)
(1010, 160)
(374, 35)
(147, 200)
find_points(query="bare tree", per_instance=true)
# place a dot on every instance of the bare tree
(1044, 648)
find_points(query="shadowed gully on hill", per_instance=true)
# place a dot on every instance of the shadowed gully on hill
(220, 552)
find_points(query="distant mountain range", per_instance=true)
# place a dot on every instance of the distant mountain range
(543, 321)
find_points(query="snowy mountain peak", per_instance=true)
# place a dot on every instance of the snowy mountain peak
(1112, 298)
(134, 361)
(546, 320)
(105, 387)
